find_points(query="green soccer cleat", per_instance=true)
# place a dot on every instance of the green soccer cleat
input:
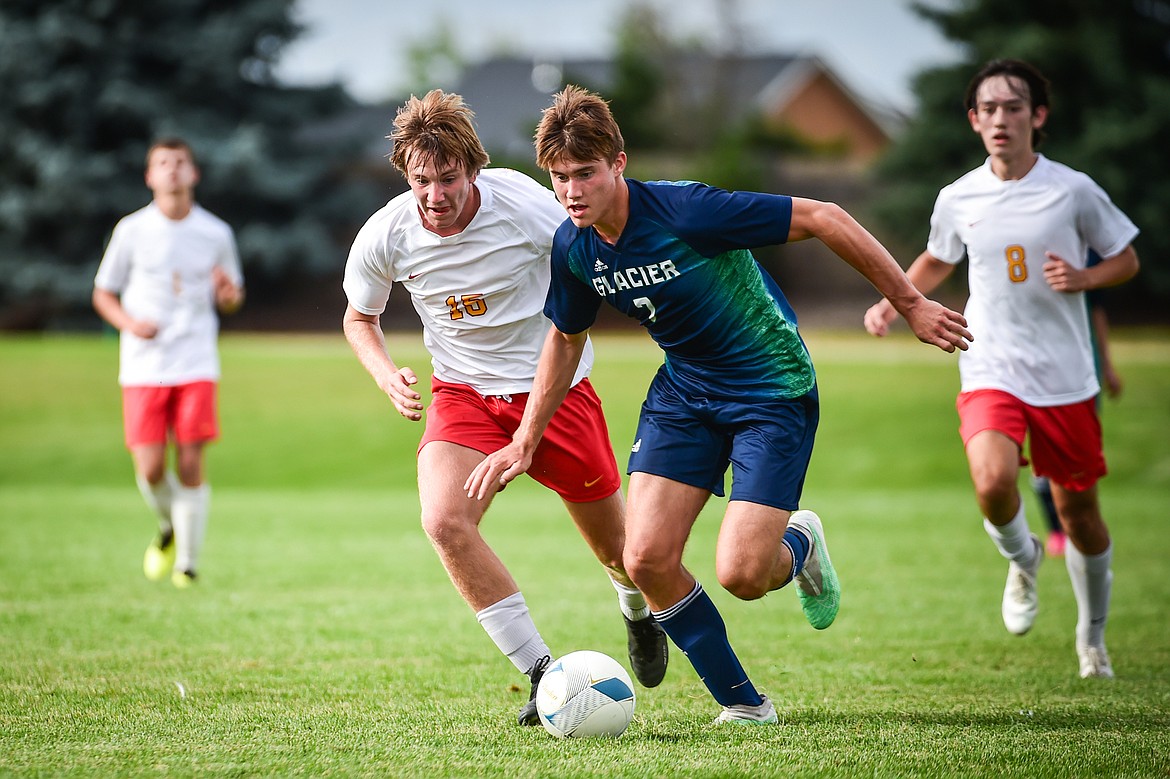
(159, 560)
(817, 584)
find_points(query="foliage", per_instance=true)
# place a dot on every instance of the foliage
(638, 94)
(433, 60)
(325, 639)
(1109, 64)
(88, 84)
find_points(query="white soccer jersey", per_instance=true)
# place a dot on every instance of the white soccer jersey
(161, 270)
(480, 293)
(1030, 340)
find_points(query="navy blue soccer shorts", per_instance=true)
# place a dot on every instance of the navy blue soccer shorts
(693, 440)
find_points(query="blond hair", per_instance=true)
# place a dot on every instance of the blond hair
(577, 126)
(439, 128)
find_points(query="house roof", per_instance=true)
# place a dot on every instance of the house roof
(508, 93)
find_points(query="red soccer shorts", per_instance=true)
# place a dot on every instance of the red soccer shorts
(185, 410)
(1064, 441)
(574, 458)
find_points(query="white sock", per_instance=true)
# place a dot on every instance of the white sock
(631, 601)
(1013, 540)
(1092, 583)
(510, 626)
(189, 510)
(159, 497)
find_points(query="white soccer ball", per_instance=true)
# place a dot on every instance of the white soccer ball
(585, 693)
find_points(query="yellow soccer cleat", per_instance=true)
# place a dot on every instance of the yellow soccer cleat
(183, 579)
(159, 559)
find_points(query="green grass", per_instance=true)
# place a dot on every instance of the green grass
(325, 639)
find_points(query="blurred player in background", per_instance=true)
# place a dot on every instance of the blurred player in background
(1111, 383)
(471, 247)
(1026, 223)
(737, 385)
(167, 268)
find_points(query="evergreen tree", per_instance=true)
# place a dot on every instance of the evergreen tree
(87, 84)
(1109, 64)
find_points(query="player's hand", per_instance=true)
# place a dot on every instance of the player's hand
(144, 328)
(228, 296)
(937, 325)
(1063, 277)
(878, 318)
(1112, 381)
(399, 388)
(496, 470)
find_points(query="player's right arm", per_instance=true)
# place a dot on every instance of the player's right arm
(554, 377)
(925, 273)
(109, 307)
(364, 333)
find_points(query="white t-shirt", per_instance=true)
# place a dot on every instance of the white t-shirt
(480, 293)
(161, 270)
(1030, 340)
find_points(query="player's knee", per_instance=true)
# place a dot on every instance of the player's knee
(646, 566)
(743, 583)
(153, 472)
(445, 530)
(994, 485)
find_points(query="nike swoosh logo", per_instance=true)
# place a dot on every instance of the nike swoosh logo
(413, 276)
(591, 483)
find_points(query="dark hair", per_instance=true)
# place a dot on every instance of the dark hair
(1017, 72)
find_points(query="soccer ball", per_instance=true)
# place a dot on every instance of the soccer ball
(585, 693)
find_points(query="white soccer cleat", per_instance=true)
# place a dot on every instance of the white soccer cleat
(742, 714)
(1094, 662)
(1020, 599)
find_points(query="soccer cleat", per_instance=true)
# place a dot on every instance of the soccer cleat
(1094, 662)
(817, 584)
(649, 651)
(159, 559)
(183, 579)
(1020, 599)
(742, 714)
(528, 714)
(1054, 547)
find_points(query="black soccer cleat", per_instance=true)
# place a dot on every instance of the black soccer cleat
(528, 714)
(648, 648)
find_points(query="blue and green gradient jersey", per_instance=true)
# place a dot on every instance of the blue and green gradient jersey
(683, 268)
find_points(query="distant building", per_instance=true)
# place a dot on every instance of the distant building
(799, 95)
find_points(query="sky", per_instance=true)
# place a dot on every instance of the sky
(874, 46)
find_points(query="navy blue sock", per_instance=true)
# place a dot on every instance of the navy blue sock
(798, 544)
(695, 626)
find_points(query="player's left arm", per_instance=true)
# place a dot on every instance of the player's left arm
(1064, 277)
(932, 322)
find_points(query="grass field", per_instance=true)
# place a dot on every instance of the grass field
(324, 638)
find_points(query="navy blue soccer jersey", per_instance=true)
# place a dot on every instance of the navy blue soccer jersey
(684, 270)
